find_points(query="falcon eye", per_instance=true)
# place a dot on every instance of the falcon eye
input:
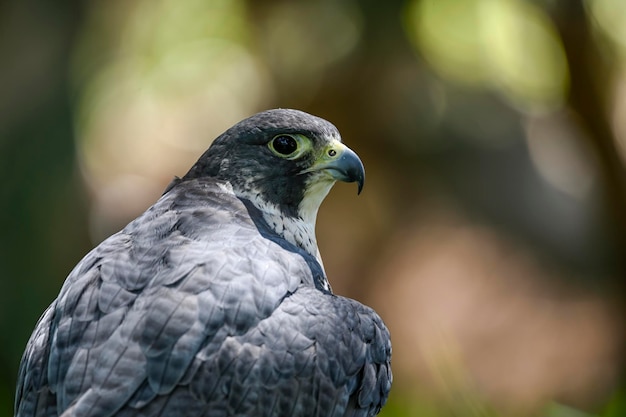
(284, 145)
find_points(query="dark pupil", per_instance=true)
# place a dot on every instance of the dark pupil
(285, 145)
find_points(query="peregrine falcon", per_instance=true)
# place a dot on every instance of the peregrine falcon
(215, 302)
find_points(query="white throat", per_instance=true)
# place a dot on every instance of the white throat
(300, 230)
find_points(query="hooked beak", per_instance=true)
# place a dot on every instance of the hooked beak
(341, 163)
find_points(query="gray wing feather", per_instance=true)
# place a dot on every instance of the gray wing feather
(191, 307)
(33, 396)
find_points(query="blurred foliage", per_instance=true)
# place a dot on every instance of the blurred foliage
(492, 229)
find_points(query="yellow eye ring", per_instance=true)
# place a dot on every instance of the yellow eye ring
(288, 146)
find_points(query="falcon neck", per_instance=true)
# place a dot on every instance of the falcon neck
(296, 230)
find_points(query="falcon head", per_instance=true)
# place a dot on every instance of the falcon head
(284, 159)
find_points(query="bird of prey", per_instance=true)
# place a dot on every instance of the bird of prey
(215, 302)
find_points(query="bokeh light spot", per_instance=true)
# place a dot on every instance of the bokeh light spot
(175, 76)
(446, 33)
(527, 61)
(298, 48)
(508, 45)
(609, 16)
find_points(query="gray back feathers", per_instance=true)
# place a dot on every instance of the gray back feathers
(196, 308)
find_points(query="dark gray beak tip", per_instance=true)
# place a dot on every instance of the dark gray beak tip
(348, 168)
(354, 170)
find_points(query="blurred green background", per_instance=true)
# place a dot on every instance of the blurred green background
(492, 228)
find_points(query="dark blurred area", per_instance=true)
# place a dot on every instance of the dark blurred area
(491, 231)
